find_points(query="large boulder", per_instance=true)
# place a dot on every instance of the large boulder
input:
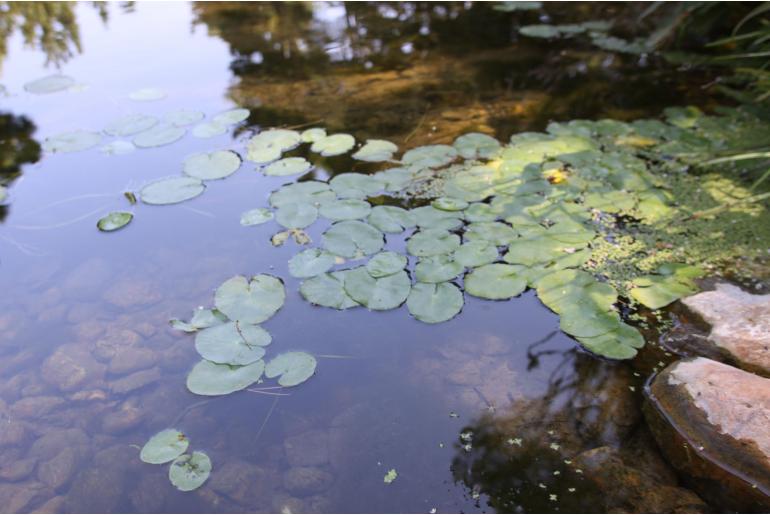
(712, 422)
(740, 324)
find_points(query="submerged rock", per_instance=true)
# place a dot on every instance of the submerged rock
(71, 367)
(17, 470)
(740, 324)
(127, 293)
(242, 482)
(135, 381)
(307, 480)
(307, 449)
(712, 421)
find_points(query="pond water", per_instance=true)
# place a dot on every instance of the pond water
(487, 412)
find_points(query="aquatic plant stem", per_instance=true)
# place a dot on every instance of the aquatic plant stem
(724, 207)
(267, 417)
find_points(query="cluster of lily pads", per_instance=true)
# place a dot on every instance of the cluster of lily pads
(597, 31)
(187, 471)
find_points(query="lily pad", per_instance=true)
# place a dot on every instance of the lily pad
(657, 291)
(476, 145)
(428, 217)
(333, 145)
(147, 94)
(476, 253)
(267, 146)
(49, 84)
(114, 221)
(432, 242)
(327, 290)
(376, 150)
(496, 233)
(313, 135)
(480, 212)
(201, 319)
(130, 124)
(394, 179)
(250, 301)
(310, 263)
(296, 216)
(449, 204)
(74, 141)
(293, 368)
(117, 147)
(352, 239)
(495, 281)
(163, 447)
(171, 190)
(309, 192)
(183, 117)
(355, 185)
(189, 472)
(207, 378)
(288, 166)
(209, 130)
(382, 293)
(385, 264)
(345, 209)
(429, 156)
(434, 303)
(208, 166)
(256, 216)
(231, 116)
(158, 136)
(391, 219)
(232, 343)
(437, 269)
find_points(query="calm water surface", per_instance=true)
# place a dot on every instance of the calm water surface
(82, 311)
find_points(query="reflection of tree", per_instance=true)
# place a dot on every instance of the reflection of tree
(17, 147)
(51, 26)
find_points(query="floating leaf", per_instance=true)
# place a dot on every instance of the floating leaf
(163, 447)
(231, 116)
(308, 192)
(476, 253)
(391, 219)
(49, 84)
(147, 94)
(288, 166)
(313, 135)
(207, 378)
(437, 269)
(495, 281)
(311, 262)
(394, 179)
(118, 147)
(382, 293)
(352, 239)
(345, 209)
(657, 291)
(496, 233)
(171, 190)
(355, 185)
(158, 136)
(268, 145)
(293, 368)
(476, 145)
(376, 150)
(449, 204)
(189, 472)
(430, 156)
(434, 303)
(74, 141)
(114, 221)
(209, 130)
(130, 124)
(256, 216)
(250, 301)
(333, 145)
(428, 217)
(183, 117)
(232, 343)
(621, 343)
(385, 264)
(432, 242)
(296, 216)
(208, 166)
(327, 290)
(390, 476)
(201, 319)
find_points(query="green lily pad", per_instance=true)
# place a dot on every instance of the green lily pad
(657, 291)
(231, 116)
(131, 124)
(429, 156)
(208, 166)
(309, 192)
(201, 319)
(327, 290)
(381, 293)
(158, 136)
(288, 166)
(428, 217)
(449, 204)
(294, 368)
(586, 322)
(534, 251)
(496, 233)
(385, 264)
(476, 253)
(207, 378)
(621, 343)
(391, 219)
(296, 216)
(352, 239)
(432, 242)
(345, 209)
(209, 130)
(355, 185)
(540, 31)
(313, 135)
(333, 145)
(267, 146)
(74, 141)
(376, 150)
(183, 117)
(163, 447)
(117, 147)
(434, 303)
(250, 301)
(437, 269)
(390, 476)
(476, 145)
(114, 221)
(256, 216)
(394, 179)
(171, 190)
(49, 84)
(189, 472)
(232, 343)
(310, 263)
(147, 94)
(495, 281)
